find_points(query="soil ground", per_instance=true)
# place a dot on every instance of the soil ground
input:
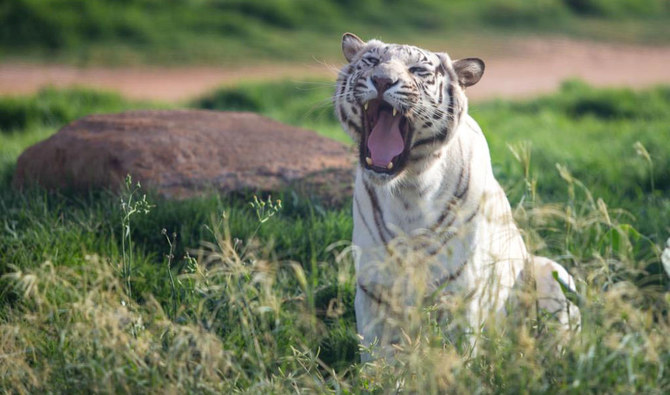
(525, 67)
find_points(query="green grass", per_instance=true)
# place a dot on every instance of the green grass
(269, 307)
(590, 131)
(217, 31)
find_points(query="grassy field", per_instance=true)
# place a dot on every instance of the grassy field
(239, 31)
(101, 293)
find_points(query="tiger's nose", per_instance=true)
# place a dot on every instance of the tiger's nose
(382, 83)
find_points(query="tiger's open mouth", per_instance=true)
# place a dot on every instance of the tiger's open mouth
(386, 138)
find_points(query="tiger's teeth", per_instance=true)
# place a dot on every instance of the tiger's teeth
(394, 111)
(368, 160)
(365, 106)
(389, 166)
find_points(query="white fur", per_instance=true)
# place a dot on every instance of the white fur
(481, 247)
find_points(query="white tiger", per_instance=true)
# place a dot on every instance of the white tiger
(429, 216)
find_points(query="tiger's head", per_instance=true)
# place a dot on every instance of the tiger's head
(400, 103)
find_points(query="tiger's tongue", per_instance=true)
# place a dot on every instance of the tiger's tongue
(385, 141)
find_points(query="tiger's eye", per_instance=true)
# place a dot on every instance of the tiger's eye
(372, 60)
(418, 70)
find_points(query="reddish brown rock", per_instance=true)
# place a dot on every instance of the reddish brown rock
(185, 153)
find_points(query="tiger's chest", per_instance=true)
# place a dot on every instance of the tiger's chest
(421, 232)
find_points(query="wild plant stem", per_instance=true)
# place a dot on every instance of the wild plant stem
(170, 256)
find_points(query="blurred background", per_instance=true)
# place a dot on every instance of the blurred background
(230, 32)
(177, 49)
(64, 59)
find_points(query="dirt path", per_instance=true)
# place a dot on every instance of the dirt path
(530, 67)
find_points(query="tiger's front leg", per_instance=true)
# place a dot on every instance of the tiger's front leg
(369, 323)
(382, 306)
(380, 321)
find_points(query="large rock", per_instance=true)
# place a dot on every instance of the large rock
(185, 153)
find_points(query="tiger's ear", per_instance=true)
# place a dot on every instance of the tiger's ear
(469, 71)
(351, 44)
